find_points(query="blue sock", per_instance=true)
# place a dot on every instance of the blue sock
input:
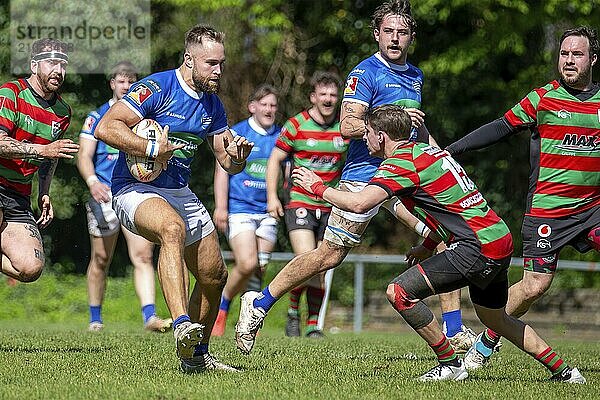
(265, 300)
(453, 321)
(200, 349)
(147, 311)
(180, 319)
(225, 303)
(95, 312)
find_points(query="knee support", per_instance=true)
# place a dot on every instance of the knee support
(409, 289)
(263, 258)
(593, 238)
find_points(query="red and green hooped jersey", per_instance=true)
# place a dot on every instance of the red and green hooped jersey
(439, 185)
(565, 151)
(318, 148)
(27, 117)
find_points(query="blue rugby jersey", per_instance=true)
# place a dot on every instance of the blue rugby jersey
(191, 116)
(374, 82)
(105, 157)
(248, 189)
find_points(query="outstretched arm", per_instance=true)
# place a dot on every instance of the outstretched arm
(359, 202)
(15, 149)
(481, 137)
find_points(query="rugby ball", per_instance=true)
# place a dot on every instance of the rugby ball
(145, 169)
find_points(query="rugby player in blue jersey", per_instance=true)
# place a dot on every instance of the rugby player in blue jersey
(165, 211)
(241, 202)
(95, 162)
(386, 77)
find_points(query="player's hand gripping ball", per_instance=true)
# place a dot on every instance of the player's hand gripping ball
(145, 169)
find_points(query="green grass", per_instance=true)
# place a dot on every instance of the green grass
(46, 353)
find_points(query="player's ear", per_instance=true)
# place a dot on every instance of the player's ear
(33, 66)
(594, 59)
(252, 107)
(187, 59)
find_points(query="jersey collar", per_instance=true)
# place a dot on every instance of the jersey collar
(186, 88)
(395, 67)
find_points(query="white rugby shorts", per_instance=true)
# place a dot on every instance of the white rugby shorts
(263, 225)
(198, 223)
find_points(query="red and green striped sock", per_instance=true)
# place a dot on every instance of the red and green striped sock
(444, 352)
(490, 338)
(552, 361)
(314, 298)
(295, 295)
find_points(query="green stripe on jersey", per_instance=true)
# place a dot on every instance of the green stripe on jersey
(550, 201)
(308, 200)
(569, 177)
(14, 176)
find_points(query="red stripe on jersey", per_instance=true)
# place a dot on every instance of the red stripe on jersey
(22, 135)
(24, 189)
(574, 163)
(512, 119)
(566, 190)
(560, 212)
(489, 219)
(499, 248)
(38, 113)
(301, 204)
(443, 183)
(23, 167)
(558, 132)
(528, 107)
(283, 146)
(582, 107)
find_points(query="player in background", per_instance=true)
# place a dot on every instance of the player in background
(241, 202)
(311, 139)
(165, 211)
(33, 119)
(95, 162)
(564, 183)
(384, 78)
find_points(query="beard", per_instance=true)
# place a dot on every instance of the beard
(204, 84)
(581, 77)
(46, 85)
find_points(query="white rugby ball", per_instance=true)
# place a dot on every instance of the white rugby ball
(143, 168)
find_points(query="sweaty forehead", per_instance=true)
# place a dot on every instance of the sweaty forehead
(575, 43)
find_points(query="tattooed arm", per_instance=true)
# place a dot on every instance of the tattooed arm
(45, 174)
(13, 148)
(352, 120)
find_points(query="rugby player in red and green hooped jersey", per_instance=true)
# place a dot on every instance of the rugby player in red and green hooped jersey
(33, 118)
(564, 196)
(313, 139)
(477, 256)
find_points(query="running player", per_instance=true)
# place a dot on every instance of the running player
(33, 118)
(165, 211)
(95, 163)
(478, 254)
(564, 191)
(241, 202)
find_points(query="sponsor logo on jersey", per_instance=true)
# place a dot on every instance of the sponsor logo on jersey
(573, 142)
(357, 71)
(417, 86)
(311, 142)
(257, 168)
(543, 244)
(351, 84)
(255, 184)
(89, 122)
(175, 115)
(338, 142)
(29, 120)
(206, 120)
(564, 114)
(472, 200)
(140, 94)
(56, 131)
(301, 213)
(544, 230)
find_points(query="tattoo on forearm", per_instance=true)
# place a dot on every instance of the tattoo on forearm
(34, 232)
(12, 148)
(353, 122)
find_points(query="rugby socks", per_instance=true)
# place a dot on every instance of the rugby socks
(552, 361)
(265, 300)
(314, 298)
(294, 309)
(96, 314)
(148, 311)
(452, 322)
(200, 349)
(490, 338)
(225, 304)
(445, 353)
(179, 320)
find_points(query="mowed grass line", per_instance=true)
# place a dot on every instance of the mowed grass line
(62, 361)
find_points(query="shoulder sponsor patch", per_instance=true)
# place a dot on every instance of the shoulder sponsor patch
(88, 124)
(140, 94)
(351, 84)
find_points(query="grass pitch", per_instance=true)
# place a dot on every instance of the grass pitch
(61, 361)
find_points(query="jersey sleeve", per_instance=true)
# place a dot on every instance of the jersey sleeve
(219, 124)
(286, 138)
(359, 87)
(89, 125)
(8, 109)
(524, 113)
(397, 175)
(144, 97)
